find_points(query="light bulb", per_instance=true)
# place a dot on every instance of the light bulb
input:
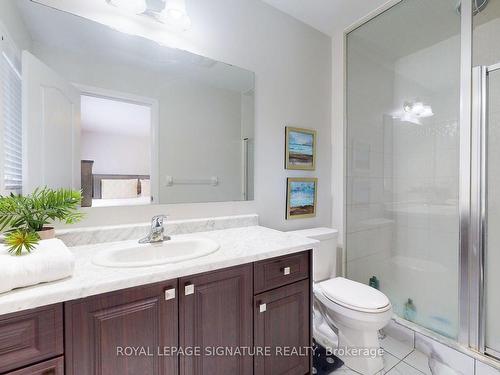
(175, 15)
(176, 19)
(418, 107)
(427, 111)
(130, 6)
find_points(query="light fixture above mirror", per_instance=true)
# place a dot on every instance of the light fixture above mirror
(169, 12)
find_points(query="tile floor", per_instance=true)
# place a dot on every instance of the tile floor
(410, 353)
(394, 363)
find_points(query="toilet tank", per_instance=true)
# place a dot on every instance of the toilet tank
(325, 252)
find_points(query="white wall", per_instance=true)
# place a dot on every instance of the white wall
(200, 137)
(13, 23)
(292, 63)
(116, 153)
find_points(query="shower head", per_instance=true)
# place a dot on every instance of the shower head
(477, 6)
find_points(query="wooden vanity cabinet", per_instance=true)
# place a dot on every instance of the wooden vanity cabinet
(209, 310)
(205, 317)
(121, 332)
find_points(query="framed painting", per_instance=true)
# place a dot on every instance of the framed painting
(300, 150)
(301, 198)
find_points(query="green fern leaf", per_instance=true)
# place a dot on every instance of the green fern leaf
(21, 239)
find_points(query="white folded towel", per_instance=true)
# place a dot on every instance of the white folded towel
(50, 260)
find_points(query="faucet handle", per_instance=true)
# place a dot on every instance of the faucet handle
(156, 232)
(157, 221)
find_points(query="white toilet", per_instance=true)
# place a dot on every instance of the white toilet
(356, 311)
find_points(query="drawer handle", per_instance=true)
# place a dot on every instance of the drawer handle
(169, 294)
(262, 307)
(188, 289)
(286, 271)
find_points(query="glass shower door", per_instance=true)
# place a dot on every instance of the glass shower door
(402, 151)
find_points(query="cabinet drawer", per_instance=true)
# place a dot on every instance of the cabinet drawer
(52, 367)
(30, 336)
(276, 272)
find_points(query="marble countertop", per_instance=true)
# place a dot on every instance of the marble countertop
(237, 246)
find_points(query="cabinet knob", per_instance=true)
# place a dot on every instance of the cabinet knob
(169, 294)
(262, 307)
(286, 271)
(188, 289)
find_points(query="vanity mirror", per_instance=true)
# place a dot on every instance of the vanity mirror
(127, 120)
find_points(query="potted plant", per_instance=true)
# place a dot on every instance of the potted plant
(25, 219)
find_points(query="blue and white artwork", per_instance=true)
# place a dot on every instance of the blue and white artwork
(300, 148)
(302, 197)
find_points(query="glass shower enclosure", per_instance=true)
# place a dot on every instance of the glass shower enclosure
(422, 177)
(403, 109)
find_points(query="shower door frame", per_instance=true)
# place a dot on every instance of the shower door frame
(479, 229)
(477, 210)
(473, 191)
(468, 292)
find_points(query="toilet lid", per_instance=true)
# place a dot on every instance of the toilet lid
(353, 294)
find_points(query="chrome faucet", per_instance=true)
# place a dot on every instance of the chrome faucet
(156, 233)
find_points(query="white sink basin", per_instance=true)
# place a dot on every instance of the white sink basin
(144, 255)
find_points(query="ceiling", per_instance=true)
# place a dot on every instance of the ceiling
(327, 16)
(409, 27)
(101, 115)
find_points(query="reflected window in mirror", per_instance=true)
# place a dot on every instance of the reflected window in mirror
(10, 114)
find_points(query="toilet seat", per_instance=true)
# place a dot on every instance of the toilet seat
(354, 296)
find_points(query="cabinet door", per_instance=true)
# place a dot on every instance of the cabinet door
(121, 332)
(216, 311)
(282, 324)
(52, 367)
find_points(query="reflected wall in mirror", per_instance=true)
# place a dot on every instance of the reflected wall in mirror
(128, 121)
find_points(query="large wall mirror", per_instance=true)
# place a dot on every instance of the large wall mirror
(128, 121)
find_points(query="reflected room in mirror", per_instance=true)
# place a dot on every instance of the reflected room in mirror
(128, 121)
(115, 147)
